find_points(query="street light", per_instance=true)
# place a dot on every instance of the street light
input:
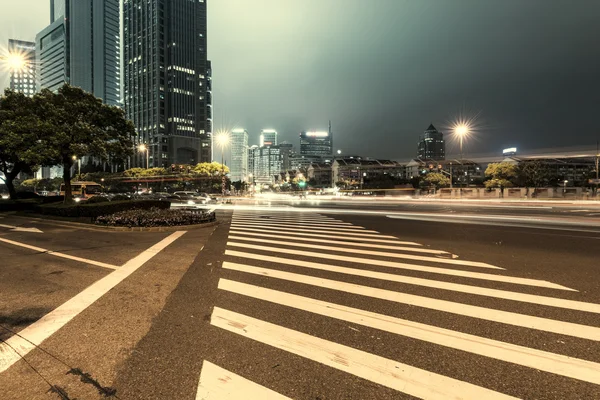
(462, 131)
(143, 148)
(14, 61)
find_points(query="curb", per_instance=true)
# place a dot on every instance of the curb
(93, 227)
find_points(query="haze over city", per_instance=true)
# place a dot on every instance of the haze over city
(383, 72)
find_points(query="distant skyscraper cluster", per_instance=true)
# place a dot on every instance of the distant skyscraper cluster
(270, 158)
(166, 88)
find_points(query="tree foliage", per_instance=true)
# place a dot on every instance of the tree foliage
(534, 174)
(501, 175)
(144, 172)
(437, 180)
(210, 169)
(81, 125)
(23, 137)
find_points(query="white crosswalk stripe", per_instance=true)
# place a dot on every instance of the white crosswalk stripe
(280, 240)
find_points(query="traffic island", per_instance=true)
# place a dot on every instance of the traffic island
(156, 219)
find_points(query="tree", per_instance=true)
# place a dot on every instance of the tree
(83, 126)
(144, 172)
(210, 169)
(534, 173)
(22, 138)
(437, 180)
(501, 175)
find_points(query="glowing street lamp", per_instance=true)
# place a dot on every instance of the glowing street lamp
(462, 131)
(143, 148)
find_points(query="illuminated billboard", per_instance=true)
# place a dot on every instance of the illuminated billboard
(510, 150)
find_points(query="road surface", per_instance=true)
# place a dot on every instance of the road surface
(290, 302)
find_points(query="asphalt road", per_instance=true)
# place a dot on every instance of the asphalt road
(336, 304)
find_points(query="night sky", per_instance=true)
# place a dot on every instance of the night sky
(383, 70)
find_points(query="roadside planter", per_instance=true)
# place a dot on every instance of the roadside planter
(156, 217)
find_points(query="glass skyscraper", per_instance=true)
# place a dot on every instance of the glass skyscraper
(168, 80)
(431, 145)
(239, 155)
(23, 79)
(81, 46)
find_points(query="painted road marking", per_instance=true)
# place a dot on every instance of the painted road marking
(20, 229)
(392, 374)
(33, 335)
(217, 383)
(364, 233)
(550, 301)
(343, 237)
(293, 220)
(488, 314)
(58, 254)
(320, 228)
(233, 231)
(367, 252)
(544, 361)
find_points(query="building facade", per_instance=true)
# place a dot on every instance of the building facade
(239, 155)
(168, 80)
(316, 143)
(81, 46)
(22, 76)
(266, 164)
(431, 145)
(268, 137)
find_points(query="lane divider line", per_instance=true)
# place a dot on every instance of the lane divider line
(58, 254)
(34, 334)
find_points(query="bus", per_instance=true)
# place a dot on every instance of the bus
(83, 190)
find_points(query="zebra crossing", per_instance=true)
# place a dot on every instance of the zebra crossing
(268, 245)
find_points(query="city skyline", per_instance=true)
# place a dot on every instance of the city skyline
(515, 77)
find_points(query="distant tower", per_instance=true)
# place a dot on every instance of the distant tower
(239, 155)
(268, 137)
(22, 76)
(431, 145)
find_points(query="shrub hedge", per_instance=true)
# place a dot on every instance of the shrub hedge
(156, 217)
(18, 205)
(98, 209)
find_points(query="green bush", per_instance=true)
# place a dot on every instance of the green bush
(156, 217)
(120, 197)
(98, 209)
(18, 205)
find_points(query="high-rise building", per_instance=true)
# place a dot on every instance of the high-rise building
(431, 145)
(316, 143)
(168, 80)
(81, 46)
(22, 74)
(239, 155)
(268, 137)
(286, 151)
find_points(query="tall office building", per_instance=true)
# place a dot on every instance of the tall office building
(168, 80)
(431, 145)
(267, 163)
(316, 143)
(268, 137)
(22, 73)
(81, 46)
(239, 155)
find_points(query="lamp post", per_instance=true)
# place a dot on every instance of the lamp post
(462, 131)
(223, 140)
(78, 166)
(142, 148)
